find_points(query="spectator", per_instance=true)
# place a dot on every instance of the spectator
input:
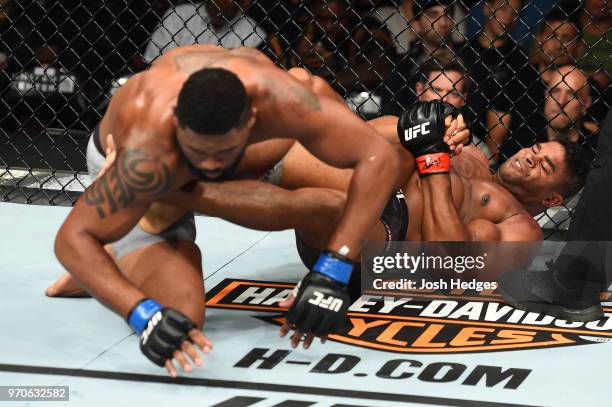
(443, 78)
(217, 22)
(351, 53)
(557, 43)
(285, 21)
(597, 35)
(496, 64)
(434, 28)
(399, 18)
(567, 100)
(566, 104)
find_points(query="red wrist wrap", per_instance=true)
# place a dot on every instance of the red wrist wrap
(437, 163)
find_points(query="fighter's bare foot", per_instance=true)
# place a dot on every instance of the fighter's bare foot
(66, 287)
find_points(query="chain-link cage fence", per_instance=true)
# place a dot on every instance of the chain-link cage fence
(520, 72)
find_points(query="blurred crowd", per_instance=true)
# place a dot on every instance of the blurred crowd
(60, 61)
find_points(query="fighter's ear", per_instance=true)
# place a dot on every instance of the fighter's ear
(174, 117)
(554, 199)
(253, 116)
(419, 88)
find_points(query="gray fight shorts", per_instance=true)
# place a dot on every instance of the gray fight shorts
(273, 175)
(182, 229)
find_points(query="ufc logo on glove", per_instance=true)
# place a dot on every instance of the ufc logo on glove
(150, 326)
(414, 131)
(331, 303)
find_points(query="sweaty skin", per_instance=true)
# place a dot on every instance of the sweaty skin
(301, 170)
(477, 198)
(140, 116)
(149, 166)
(480, 209)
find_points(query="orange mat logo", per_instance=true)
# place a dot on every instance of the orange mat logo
(422, 322)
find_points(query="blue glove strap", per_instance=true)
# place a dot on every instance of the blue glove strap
(334, 268)
(142, 314)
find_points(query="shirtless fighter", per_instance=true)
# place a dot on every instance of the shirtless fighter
(467, 204)
(449, 200)
(192, 116)
(457, 200)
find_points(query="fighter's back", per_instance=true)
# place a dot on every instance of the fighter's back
(142, 109)
(147, 100)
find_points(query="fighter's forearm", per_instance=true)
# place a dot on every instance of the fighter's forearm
(369, 191)
(261, 206)
(441, 221)
(87, 261)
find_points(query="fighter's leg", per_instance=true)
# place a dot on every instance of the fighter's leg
(317, 239)
(302, 169)
(170, 272)
(67, 287)
(262, 206)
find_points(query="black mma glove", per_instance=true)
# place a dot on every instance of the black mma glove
(421, 131)
(321, 298)
(162, 330)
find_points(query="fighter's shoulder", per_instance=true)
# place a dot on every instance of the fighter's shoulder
(521, 227)
(144, 122)
(150, 92)
(475, 153)
(471, 163)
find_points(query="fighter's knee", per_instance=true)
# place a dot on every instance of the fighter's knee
(337, 202)
(336, 199)
(196, 252)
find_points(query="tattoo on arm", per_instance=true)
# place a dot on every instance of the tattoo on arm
(305, 98)
(134, 172)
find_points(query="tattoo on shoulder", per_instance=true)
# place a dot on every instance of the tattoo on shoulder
(133, 173)
(305, 97)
